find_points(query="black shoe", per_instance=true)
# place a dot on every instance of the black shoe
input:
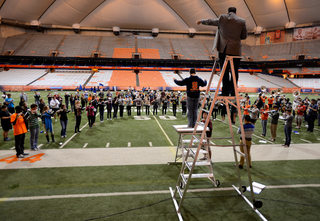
(240, 167)
(25, 154)
(75, 132)
(79, 131)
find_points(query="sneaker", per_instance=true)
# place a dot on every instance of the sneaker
(20, 156)
(34, 149)
(262, 135)
(62, 136)
(65, 135)
(53, 141)
(7, 139)
(79, 131)
(240, 167)
(25, 154)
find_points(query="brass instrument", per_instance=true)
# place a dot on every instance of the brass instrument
(279, 90)
(296, 94)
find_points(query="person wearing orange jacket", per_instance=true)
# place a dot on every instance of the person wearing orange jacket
(264, 119)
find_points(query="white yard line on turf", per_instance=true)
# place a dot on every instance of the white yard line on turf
(150, 144)
(12, 148)
(129, 144)
(85, 145)
(163, 131)
(40, 145)
(65, 143)
(107, 144)
(306, 140)
(27, 198)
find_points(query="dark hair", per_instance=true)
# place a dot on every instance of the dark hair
(34, 105)
(3, 106)
(289, 110)
(192, 71)
(232, 9)
(247, 118)
(18, 108)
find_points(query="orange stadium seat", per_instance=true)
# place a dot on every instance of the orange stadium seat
(151, 79)
(122, 79)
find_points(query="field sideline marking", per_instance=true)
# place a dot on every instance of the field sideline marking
(163, 131)
(65, 143)
(85, 145)
(26, 198)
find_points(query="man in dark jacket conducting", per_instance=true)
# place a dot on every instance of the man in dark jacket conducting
(193, 83)
(231, 30)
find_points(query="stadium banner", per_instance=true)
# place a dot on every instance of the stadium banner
(317, 90)
(306, 90)
(272, 37)
(301, 34)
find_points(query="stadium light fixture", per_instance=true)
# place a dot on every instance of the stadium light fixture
(192, 32)
(116, 30)
(76, 28)
(36, 25)
(257, 30)
(155, 32)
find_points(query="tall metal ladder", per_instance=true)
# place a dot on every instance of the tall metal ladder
(184, 179)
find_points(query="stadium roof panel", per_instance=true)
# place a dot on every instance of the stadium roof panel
(162, 14)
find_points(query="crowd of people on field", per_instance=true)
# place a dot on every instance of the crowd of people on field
(25, 117)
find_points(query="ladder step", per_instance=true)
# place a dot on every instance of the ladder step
(188, 141)
(192, 153)
(239, 152)
(179, 192)
(200, 163)
(199, 175)
(200, 123)
(205, 110)
(184, 180)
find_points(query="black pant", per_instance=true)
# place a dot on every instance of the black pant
(19, 143)
(108, 113)
(94, 117)
(164, 110)
(311, 120)
(138, 110)
(227, 85)
(101, 114)
(155, 110)
(184, 109)
(90, 120)
(115, 111)
(147, 110)
(214, 113)
(78, 122)
(121, 110)
(129, 110)
(174, 109)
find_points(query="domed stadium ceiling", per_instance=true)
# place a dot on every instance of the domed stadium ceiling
(163, 14)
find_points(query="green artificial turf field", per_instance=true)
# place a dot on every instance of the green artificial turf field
(279, 203)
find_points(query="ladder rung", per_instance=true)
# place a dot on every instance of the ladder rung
(239, 152)
(192, 152)
(183, 178)
(199, 175)
(179, 192)
(196, 138)
(188, 141)
(205, 110)
(201, 163)
(200, 123)
(215, 138)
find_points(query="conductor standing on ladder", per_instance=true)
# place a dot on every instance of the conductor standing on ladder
(231, 29)
(193, 83)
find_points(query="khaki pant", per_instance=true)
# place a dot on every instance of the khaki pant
(248, 145)
(273, 128)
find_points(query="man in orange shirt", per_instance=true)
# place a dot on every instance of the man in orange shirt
(264, 119)
(19, 130)
(270, 102)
